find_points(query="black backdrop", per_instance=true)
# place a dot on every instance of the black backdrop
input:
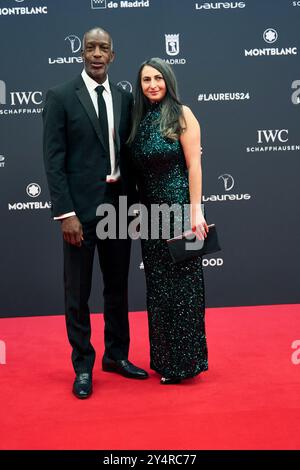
(237, 65)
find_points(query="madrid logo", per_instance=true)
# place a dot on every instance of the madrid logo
(172, 44)
(172, 49)
(97, 4)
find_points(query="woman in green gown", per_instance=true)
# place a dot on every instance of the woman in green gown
(166, 161)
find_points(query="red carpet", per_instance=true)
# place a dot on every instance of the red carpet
(249, 398)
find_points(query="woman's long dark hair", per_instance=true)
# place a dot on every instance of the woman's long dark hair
(172, 122)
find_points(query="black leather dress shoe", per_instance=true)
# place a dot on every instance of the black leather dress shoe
(123, 367)
(83, 386)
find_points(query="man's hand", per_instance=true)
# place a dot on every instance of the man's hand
(72, 230)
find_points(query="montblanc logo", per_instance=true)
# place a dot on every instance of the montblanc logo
(219, 5)
(102, 4)
(23, 10)
(75, 46)
(273, 140)
(125, 85)
(296, 94)
(172, 46)
(228, 183)
(19, 102)
(33, 190)
(270, 36)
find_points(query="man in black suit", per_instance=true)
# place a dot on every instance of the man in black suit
(86, 125)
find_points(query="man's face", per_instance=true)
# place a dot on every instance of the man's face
(97, 54)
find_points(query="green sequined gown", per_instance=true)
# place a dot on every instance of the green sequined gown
(175, 293)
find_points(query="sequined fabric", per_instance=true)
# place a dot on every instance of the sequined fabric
(175, 293)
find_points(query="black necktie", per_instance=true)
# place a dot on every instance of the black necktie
(102, 113)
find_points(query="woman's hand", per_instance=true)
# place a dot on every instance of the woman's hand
(198, 222)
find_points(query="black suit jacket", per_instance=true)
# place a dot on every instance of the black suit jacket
(74, 154)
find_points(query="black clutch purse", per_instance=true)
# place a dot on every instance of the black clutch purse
(188, 246)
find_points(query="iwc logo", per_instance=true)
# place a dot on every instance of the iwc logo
(19, 102)
(273, 140)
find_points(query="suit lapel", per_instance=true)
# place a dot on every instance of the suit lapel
(85, 99)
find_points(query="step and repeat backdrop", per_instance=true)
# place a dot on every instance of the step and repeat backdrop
(238, 68)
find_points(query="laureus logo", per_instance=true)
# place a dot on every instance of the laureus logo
(74, 42)
(227, 180)
(75, 45)
(125, 85)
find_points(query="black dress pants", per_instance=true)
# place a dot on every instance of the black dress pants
(113, 257)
